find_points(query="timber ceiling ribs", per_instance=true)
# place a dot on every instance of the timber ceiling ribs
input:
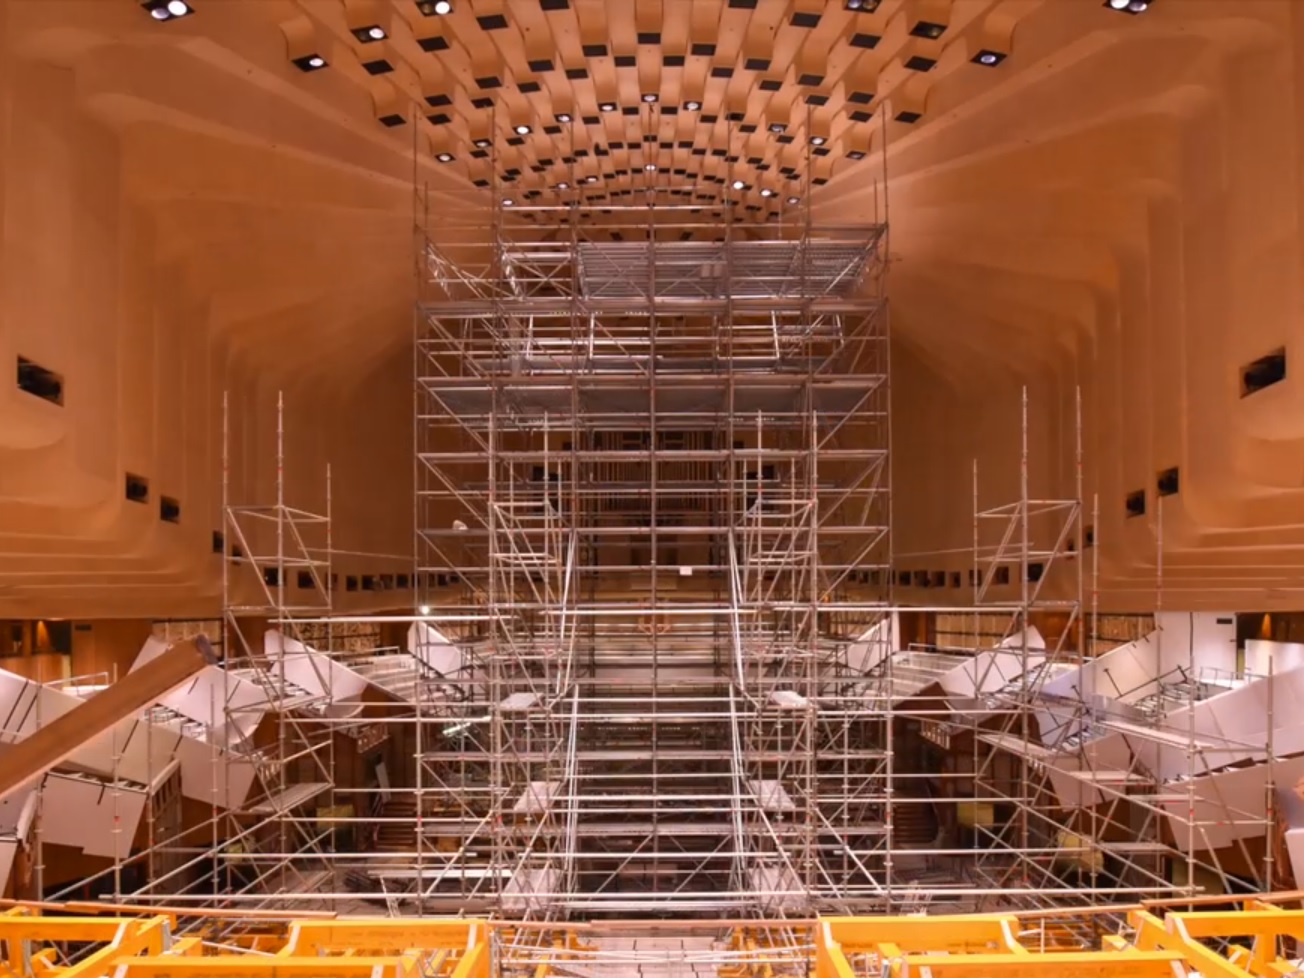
(603, 99)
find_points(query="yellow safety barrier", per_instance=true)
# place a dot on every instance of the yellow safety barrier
(984, 946)
(1256, 940)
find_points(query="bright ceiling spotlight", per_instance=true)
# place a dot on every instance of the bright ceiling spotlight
(1118, 4)
(167, 9)
(425, 609)
(482, 143)
(443, 7)
(739, 185)
(988, 58)
(817, 140)
(563, 117)
(309, 62)
(607, 106)
(563, 185)
(376, 33)
(649, 97)
(856, 154)
(590, 179)
(777, 127)
(508, 202)
(767, 192)
(864, 6)
(650, 167)
(316, 61)
(1129, 6)
(692, 105)
(522, 130)
(445, 157)
(794, 200)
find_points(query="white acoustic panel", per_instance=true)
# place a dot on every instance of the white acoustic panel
(209, 777)
(429, 646)
(90, 815)
(315, 672)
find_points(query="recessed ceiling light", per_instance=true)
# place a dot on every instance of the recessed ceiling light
(988, 58)
(607, 106)
(864, 6)
(508, 202)
(649, 97)
(817, 140)
(590, 179)
(1129, 6)
(167, 9)
(316, 62)
(445, 157)
(522, 130)
(767, 192)
(309, 62)
(692, 105)
(855, 154)
(777, 127)
(443, 7)
(482, 143)
(376, 33)
(650, 167)
(739, 185)
(794, 200)
(563, 185)
(563, 117)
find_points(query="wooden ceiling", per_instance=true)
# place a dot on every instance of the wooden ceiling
(1112, 210)
(600, 99)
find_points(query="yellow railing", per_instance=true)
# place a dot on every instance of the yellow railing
(1255, 941)
(143, 947)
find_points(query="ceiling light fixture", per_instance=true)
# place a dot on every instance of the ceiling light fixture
(649, 97)
(778, 126)
(376, 33)
(482, 143)
(309, 62)
(522, 130)
(443, 7)
(607, 106)
(445, 157)
(817, 140)
(650, 167)
(739, 185)
(794, 200)
(855, 154)
(988, 58)
(863, 6)
(167, 9)
(767, 192)
(563, 185)
(563, 117)
(508, 202)
(1129, 6)
(590, 179)
(692, 105)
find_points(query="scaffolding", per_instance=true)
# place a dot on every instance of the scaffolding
(654, 666)
(652, 450)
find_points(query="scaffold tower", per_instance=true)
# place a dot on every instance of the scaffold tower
(653, 472)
